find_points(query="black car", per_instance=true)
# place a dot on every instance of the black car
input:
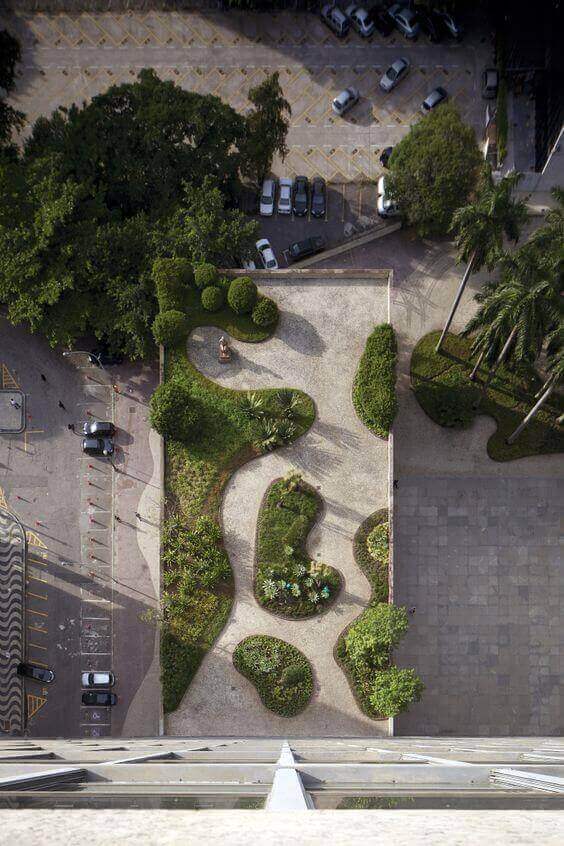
(99, 697)
(382, 22)
(99, 429)
(40, 674)
(97, 446)
(318, 197)
(308, 247)
(385, 156)
(301, 196)
(431, 25)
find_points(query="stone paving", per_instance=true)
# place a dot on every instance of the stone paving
(70, 58)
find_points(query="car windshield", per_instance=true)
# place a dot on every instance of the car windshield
(271, 263)
(391, 73)
(266, 198)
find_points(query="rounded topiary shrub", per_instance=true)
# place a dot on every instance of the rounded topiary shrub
(377, 543)
(242, 295)
(174, 413)
(170, 328)
(293, 675)
(205, 274)
(212, 298)
(265, 312)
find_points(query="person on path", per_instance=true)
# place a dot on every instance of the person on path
(14, 404)
(61, 405)
(43, 377)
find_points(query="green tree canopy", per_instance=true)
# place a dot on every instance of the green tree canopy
(267, 127)
(394, 691)
(434, 169)
(371, 637)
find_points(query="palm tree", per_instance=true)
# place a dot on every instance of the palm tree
(480, 227)
(519, 312)
(550, 236)
(554, 378)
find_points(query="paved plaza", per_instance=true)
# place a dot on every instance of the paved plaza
(70, 58)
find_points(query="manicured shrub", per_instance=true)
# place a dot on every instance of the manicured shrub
(212, 298)
(394, 691)
(242, 295)
(174, 413)
(172, 276)
(377, 543)
(281, 673)
(205, 275)
(170, 328)
(265, 312)
(374, 389)
(372, 636)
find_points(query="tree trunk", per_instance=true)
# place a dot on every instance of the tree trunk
(544, 386)
(457, 299)
(513, 437)
(477, 366)
(498, 361)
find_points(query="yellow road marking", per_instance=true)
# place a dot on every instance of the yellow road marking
(3, 503)
(38, 646)
(36, 629)
(36, 595)
(30, 432)
(40, 663)
(34, 703)
(37, 579)
(40, 613)
(8, 380)
(33, 539)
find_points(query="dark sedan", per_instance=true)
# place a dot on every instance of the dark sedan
(40, 674)
(97, 446)
(99, 697)
(308, 247)
(99, 429)
(318, 197)
(301, 196)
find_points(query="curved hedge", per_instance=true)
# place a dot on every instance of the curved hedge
(281, 673)
(374, 389)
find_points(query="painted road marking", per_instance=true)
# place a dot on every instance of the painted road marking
(40, 613)
(30, 432)
(38, 646)
(8, 380)
(36, 595)
(34, 704)
(40, 663)
(37, 579)
(36, 629)
(33, 539)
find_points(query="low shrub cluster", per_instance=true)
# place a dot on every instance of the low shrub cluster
(276, 424)
(213, 298)
(394, 690)
(281, 674)
(197, 581)
(242, 295)
(265, 312)
(174, 412)
(287, 581)
(374, 389)
(205, 276)
(371, 553)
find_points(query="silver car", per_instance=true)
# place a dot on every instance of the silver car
(104, 678)
(360, 20)
(285, 195)
(435, 98)
(395, 74)
(346, 100)
(405, 20)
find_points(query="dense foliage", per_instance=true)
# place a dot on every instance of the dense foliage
(434, 169)
(287, 581)
(267, 126)
(174, 412)
(213, 298)
(242, 295)
(374, 389)
(170, 328)
(371, 553)
(394, 691)
(205, 275)
(265, 312)
(281, 673)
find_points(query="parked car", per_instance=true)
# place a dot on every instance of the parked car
(434, 99)
(450, 24)
(97, 446)
(267, 197)
(490, 83)
(335, 19)
(40, 674)
(405, 20)
(99, 429)
(285, 195)
(308, 247)
(395, 73)
(301, 196)
(346, 100)
(386, 206)
(431, 25)
(385, 156)
(266, 254)
(382, 22)
(102, 679)
(360, 20)
(318, 197)
(99, 697)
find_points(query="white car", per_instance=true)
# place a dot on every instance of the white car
(360, 20)
(267, 197)
(266, 254)
(386, 207)
(405, 20)
(346, 100)
(285, 195)
(101, 679)
(394, 74)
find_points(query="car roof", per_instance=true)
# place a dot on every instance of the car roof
(267, 183)
(399, 64)
(286, 180)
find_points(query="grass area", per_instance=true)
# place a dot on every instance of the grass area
(374, 389)
(281, 673)
(239, 326)
(287, 581)
(445, 393)
(375, 568)
(196, 474)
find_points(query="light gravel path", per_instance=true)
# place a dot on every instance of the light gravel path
(321, 336)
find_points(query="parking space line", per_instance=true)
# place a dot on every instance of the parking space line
(40, 613)
(40, 663)
(105, 601)
(37, 579)
(38, 646)
(36, 629)
(96, 653)
(94, 724)
(35, 595)
(104, 619)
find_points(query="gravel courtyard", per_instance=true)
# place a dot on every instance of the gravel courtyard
(325, 320)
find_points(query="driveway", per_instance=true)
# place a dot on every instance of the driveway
(322, 332)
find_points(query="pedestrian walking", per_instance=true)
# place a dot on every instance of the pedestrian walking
(43, 377)
(137, 515)
(117, 518)
(412, 609)
(70, 426)
(14, 404)
(396, 484)
(61, 405)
